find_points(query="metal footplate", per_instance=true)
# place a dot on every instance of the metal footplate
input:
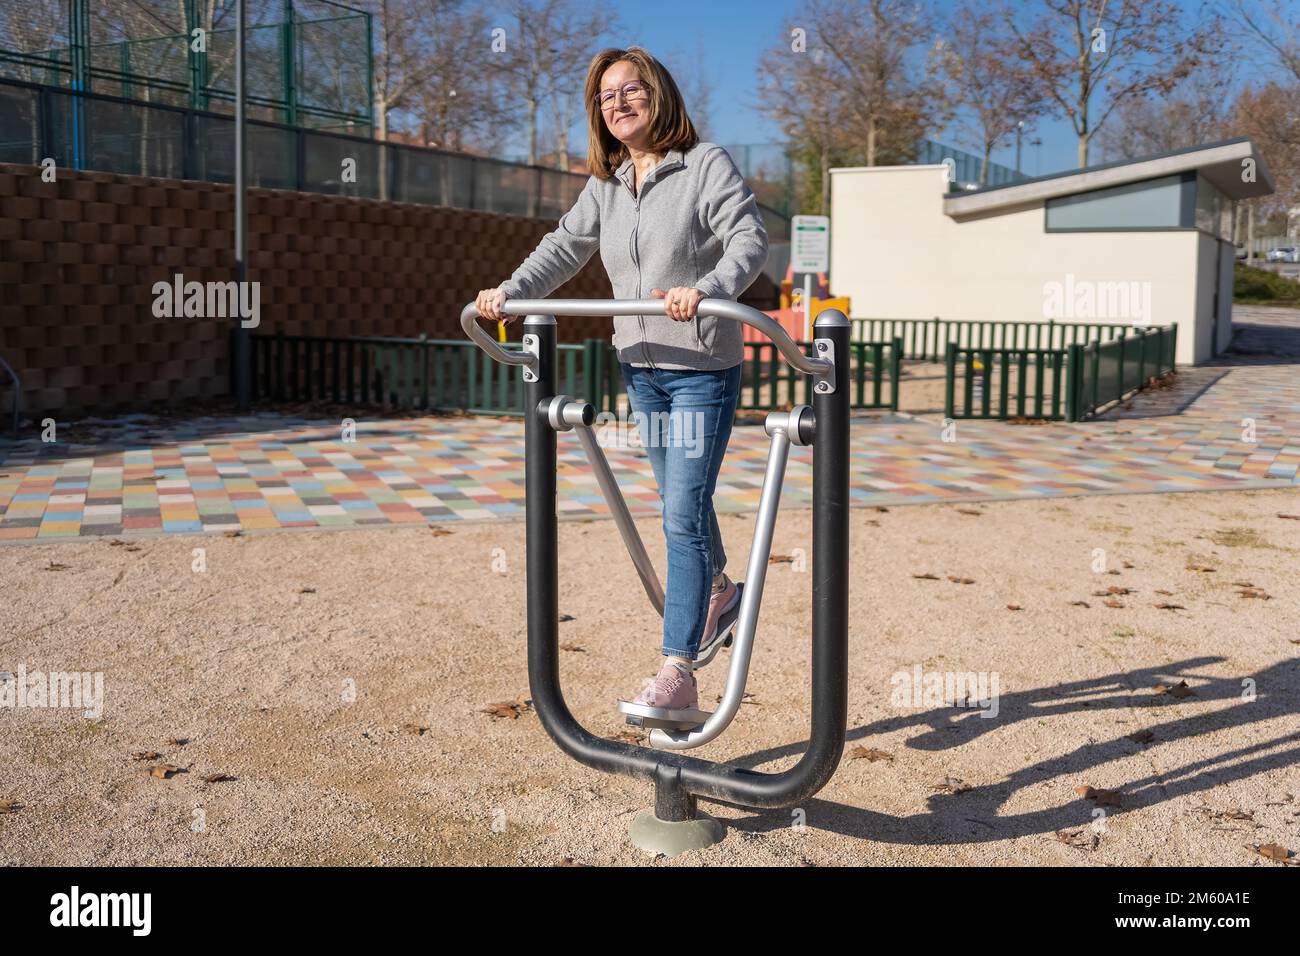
(661, 718)
(685, 729)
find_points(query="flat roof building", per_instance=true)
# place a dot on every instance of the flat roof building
(1145, 241)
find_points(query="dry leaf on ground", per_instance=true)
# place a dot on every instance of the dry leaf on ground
(1084, 838)
(869, 753)
(950, 785)
(1275, 852)
(1100, 796)
(513, 709)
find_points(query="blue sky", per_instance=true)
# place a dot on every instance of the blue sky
(732, 35)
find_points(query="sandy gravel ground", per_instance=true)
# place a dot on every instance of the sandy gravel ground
(340, 679)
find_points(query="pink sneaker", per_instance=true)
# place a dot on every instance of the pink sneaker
(724, 609)
(673, 688)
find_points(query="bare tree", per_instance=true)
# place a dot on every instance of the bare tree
(403, 61)
(1089, 56)
(1196, 113)
(461, 105)
(1270, 118)
(544, 59)
(841, 84)
(869, 43)
(696, 83)
(1273, 25)
(986, 78)
(801, 93)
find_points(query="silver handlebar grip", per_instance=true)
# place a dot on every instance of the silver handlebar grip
(469, 323)
(715, 308)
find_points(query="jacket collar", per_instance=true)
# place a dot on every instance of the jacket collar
(671, 160)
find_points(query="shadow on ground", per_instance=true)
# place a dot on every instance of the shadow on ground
(1275, 689)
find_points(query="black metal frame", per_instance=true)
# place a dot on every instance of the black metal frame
(679, 780)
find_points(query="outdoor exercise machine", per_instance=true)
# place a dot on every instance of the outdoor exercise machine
(676, 824)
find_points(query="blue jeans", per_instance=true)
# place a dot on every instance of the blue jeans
(684, 419)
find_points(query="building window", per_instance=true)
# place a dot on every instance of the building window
(1153, 204)
(1213, 210)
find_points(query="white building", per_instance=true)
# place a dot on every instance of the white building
(1146, 241)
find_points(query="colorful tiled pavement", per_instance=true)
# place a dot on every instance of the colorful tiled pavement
(136, 475)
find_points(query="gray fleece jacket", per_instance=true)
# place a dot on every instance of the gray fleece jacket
(695, 223)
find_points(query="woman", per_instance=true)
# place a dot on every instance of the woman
(673, 218)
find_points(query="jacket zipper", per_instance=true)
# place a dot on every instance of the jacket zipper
(636, 258)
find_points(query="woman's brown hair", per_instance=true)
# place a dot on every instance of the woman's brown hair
(670, 126)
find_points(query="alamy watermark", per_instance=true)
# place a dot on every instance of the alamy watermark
(75, 908)
(72, 690)
(919, 688)
(179, 299)
(675, 429)
(1080, 300)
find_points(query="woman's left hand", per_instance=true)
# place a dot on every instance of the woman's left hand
(682, 302)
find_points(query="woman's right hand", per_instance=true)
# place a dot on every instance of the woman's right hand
(489, 304)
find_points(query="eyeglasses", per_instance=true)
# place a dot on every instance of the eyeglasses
(635, 90)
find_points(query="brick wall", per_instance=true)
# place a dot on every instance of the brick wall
(79, 258)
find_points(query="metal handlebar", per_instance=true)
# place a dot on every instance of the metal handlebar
(709, 308)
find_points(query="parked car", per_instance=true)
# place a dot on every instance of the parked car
(1241, 251)
(1284, 254)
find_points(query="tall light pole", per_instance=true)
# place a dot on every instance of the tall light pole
(1020, 125)
(240, 352)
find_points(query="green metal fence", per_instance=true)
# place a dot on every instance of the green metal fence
(1004, 383)
(928, 339)
(1053, 383)
(1105, 372)
(454, 374)
(767, 381)
(419, 373)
